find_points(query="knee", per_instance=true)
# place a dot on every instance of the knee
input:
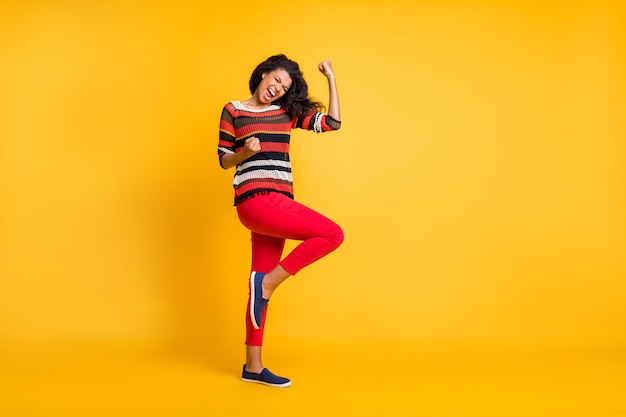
(336, 236)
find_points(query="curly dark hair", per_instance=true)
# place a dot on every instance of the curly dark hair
(297, 101)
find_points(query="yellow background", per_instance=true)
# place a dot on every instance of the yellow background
(479, 177)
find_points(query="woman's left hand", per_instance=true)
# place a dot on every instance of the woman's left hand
(326, 68)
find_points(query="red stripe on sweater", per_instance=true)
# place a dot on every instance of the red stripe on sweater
(254, 184)
(274, 147)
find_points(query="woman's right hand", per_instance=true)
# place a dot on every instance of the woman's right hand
(252, 146)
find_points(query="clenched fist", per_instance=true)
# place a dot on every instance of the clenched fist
(326, 68)
(252, 145)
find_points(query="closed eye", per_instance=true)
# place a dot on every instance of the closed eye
(278, 81)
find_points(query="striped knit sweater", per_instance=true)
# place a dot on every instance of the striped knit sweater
(270, 169)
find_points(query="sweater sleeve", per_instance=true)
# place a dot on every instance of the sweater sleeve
(226, 142)
(317, 122)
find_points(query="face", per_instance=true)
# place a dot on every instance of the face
(273, 86)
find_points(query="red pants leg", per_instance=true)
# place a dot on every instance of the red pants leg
(272, 218)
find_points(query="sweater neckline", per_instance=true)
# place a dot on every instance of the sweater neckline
(240, 106)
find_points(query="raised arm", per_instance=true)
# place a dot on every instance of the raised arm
(326, 68)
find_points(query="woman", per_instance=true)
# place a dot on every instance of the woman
(254, 138)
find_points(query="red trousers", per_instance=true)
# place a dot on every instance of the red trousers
(272, 218)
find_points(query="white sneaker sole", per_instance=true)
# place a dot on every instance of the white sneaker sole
(252, 297)
(269, 384)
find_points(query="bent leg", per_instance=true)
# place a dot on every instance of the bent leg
(272, 219)
(281, 217)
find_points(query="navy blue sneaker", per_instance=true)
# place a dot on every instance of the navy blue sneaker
(265, 378)
(257, 302)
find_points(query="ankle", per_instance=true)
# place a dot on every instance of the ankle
(256, 369)
(267, 288)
